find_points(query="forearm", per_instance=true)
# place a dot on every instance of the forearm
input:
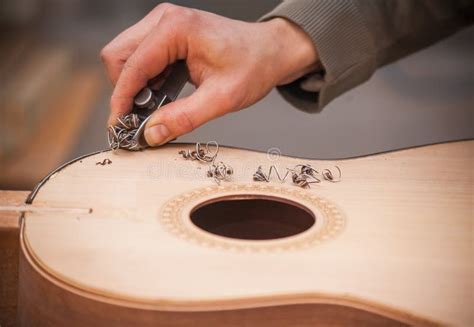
(355, 37)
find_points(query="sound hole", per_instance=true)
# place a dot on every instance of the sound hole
(252, 218)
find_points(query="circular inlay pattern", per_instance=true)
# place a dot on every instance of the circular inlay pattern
(175, 217)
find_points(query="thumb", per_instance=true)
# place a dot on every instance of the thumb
(184, 115)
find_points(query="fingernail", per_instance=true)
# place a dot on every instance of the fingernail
(157, 134)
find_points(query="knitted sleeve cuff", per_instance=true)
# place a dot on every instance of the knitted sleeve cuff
(345, 47)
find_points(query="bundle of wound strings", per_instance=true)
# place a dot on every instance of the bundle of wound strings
(302, 175)
(218, 171)
(121, 135)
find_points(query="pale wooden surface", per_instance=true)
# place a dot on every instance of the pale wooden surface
(9, 252)
(406, 247)
(9, 218)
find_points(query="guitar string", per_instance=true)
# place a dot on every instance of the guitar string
(302, 175)
(120, 136)
(218, 171)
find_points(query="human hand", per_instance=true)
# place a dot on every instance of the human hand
(232, 63)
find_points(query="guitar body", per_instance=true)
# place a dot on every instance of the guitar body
(150, 240)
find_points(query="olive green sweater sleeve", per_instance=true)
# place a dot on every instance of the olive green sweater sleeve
(355, 37)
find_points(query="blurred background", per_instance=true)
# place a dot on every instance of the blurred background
(54, 92)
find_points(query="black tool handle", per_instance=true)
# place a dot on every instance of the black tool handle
(161, 90)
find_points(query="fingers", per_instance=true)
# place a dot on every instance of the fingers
(165, 44)
(184, 115)
(115, 54)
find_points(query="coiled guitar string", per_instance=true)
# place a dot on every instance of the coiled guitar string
(120, 136)
(219, 171)
(302, 175)
(201, 153)
(260, 176)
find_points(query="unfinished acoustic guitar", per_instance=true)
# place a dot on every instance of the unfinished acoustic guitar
(147, 239)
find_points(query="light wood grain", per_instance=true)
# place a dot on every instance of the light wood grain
(404, 252)
(30, 208)
(9, 218)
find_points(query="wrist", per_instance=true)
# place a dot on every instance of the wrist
(296, 52)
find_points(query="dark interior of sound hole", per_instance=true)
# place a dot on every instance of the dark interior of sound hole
(252, 218)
